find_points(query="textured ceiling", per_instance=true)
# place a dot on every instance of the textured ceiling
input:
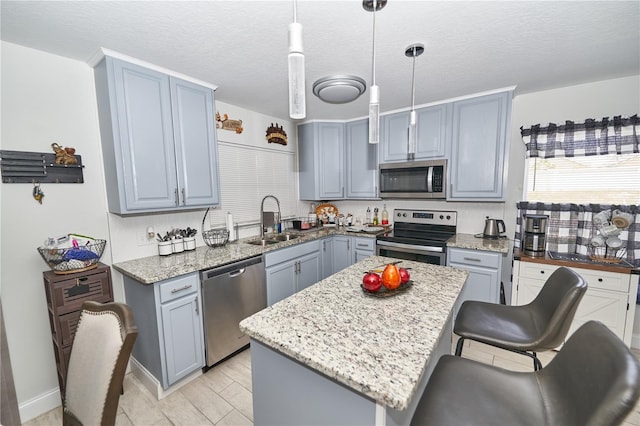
(241, 46)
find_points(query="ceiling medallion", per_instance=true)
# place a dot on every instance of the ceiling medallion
(339, 89)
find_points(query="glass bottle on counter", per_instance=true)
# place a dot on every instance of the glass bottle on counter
(375, 216)
(312, 215)
(385, 215)
(368, 217)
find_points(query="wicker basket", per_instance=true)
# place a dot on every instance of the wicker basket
(214, 237)
(73, 259)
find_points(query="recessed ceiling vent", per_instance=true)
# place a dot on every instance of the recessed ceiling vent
(339, 89)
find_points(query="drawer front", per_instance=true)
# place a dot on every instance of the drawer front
(603, 280)
(178, 287)
(365, 243)
(69, 295)
(67, 325)
(537, 271)
(474, 257)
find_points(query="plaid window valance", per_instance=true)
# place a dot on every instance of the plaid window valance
(608, 136)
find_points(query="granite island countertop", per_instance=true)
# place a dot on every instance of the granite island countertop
(376, 346)
(152, 269)
(471, 242)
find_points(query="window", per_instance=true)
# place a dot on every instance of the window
(599, 179)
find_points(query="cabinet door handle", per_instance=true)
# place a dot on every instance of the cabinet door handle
(472, 259)
(177, 199)
(324, 246)
(184, 198)
(348, 244)
(600, 280)
(542, 272)
(197, 309)
(175, 290)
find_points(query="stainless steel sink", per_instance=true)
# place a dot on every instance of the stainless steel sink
(284, 237)
(273, 239)
(262, 242)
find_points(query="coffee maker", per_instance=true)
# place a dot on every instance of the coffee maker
(535, 229)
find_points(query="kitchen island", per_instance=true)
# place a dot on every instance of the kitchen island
(332, 354)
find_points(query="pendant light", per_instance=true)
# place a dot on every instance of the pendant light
(374, 91)
(297, 104)
(413, 51)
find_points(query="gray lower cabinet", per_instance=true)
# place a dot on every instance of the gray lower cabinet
(361, 168)
(364, 247)
(158, 139)
(342, 252)
(292, 269)
(326, 248)
(484, 268)
(348, 250)
(477, 170)
(170, 343)
(433, 134)
(321, 161)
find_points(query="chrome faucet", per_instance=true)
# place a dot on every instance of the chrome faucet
(275, 220)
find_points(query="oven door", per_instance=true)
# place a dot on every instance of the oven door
(425, 254)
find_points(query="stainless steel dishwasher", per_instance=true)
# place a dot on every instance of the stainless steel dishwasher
(230, 294)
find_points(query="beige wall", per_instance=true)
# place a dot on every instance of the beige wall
(46, 99)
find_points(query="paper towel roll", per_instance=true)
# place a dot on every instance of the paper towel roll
(232, 234)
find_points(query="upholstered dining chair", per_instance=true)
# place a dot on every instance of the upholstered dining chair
(541, 325)
(593, 380)
(100, 352)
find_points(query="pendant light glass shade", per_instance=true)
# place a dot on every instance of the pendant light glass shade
(413, 135)
(297, 102)
(374, 99)
(374, 115)
(413, 51)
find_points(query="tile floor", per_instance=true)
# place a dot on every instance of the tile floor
(222, 396)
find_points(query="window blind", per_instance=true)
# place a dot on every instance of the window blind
(247, 174)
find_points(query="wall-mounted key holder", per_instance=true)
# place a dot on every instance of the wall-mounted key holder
(38, 167)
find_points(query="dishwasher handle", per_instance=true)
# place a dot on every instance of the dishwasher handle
(236, 268)
(237, 273)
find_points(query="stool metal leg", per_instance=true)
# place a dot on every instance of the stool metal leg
(459, 346)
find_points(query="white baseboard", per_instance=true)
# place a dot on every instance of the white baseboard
(39, 405)
(149, 381)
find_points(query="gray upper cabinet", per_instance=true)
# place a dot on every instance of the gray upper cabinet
(433, 133)
(361, 161)
(477, 170)
(158, 139)
(321, 161)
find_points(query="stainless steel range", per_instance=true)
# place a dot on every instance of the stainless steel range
(419, 235)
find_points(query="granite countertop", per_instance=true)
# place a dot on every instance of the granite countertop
(621, 268)
(149, 270)
(376, 346)
(471, 242)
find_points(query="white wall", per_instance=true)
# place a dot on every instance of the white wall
(45, 99)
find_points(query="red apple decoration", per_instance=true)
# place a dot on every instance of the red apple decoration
(404, 275)
(371, 282)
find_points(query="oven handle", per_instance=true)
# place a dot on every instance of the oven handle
(411, 247)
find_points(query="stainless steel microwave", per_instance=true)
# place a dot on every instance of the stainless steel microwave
(414, 179)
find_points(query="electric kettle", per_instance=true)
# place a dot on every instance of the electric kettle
(493, 228)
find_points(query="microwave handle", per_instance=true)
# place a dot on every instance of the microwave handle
(430, 179)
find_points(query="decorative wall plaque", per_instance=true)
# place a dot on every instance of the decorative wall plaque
(225, 123)
(276, 134)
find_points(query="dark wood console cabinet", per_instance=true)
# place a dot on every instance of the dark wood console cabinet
(65, 296)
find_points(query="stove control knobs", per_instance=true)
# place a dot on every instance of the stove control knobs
(448, 217)
(441, 217)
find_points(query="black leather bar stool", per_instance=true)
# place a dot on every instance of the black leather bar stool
(541, 325)
(593, 380)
